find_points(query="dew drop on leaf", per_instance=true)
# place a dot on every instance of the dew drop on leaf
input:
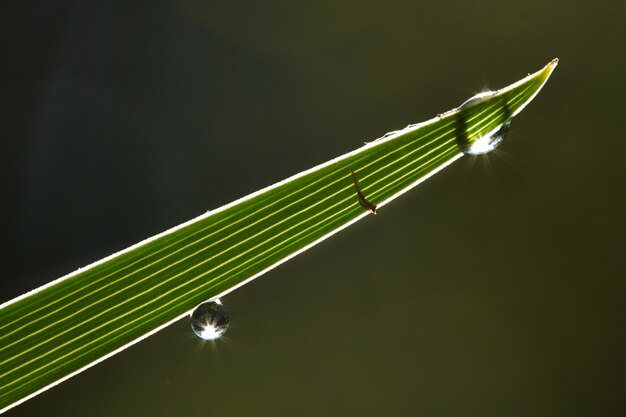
(488, 143)
(209, 320)
(477, 98)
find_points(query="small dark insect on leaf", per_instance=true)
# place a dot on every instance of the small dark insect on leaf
(362, 201)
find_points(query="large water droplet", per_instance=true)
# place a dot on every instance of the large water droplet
(477, 98)
(488, 143)
(209, 320)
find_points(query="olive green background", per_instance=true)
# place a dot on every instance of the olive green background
(494, 289)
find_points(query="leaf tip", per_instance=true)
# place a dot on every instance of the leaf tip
(551, 66)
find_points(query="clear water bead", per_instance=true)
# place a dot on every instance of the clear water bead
(209, 320)
(488, 143)
(477, 98)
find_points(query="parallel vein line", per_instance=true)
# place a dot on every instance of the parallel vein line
(193, 280)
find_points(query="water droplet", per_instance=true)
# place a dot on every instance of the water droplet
(477, 98)
(209, 320)
(488, 143)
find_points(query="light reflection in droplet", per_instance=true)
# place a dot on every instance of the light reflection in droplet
(488, 143)
(209, 320)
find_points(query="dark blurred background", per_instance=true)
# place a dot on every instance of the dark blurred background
(494, 289)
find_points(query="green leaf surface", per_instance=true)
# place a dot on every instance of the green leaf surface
(60, 329)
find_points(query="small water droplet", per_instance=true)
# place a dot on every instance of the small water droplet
(209, 320)
(488, 143)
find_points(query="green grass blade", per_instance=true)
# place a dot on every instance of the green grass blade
(58, 330)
